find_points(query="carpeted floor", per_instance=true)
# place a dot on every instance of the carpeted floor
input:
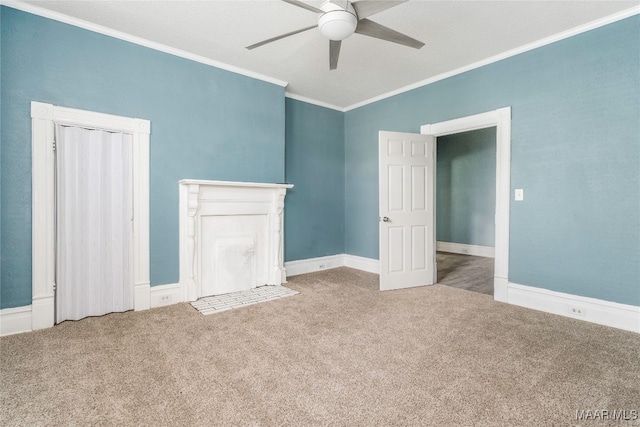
(339, 353)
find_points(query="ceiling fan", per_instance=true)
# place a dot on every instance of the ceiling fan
(340, 19)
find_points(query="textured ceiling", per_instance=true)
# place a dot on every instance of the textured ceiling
(456, 34)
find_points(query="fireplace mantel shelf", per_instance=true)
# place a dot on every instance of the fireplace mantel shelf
(233, 183)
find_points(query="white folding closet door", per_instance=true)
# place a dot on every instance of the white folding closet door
(94, 213)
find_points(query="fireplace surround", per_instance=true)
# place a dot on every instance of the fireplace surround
(231, 236)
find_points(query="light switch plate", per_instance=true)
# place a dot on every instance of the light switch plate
(519, 194)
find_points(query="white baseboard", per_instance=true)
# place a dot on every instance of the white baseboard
(15, 320)
(311, 265)
(162, 295)
(621, 316)
(592, 310)
(361, 263)
(464, 249)
(141, 293)
(21, 319)
(42, 312)
(500, 289)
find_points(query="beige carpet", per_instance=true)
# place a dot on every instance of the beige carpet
(339, 353)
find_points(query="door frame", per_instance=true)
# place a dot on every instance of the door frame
(44, 117)
(501, 119)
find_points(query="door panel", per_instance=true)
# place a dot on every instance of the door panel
(94, 213)
(419, 247)
(407, 214)
(396, 246)
(396, 192)
(418, 188)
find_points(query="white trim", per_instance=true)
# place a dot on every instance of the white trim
(612, 314)
(29, 8)
(500, 289)
(465, 124)
(311, 265)
(621, 316)
(44, 117)
(615, 315)
(361, 263)
(141, 292)
(162, 295)
(241, 184)
(20, 319)
(464, 249)
(501, 119)
(15, 320)
(56, 16)
(504, 55)
(313, 101)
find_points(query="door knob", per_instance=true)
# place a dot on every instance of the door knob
(386, 219)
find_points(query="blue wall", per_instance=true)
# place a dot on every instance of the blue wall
(206, 123)
(466, 187)
(314, 163)
(575, 148)
(575, 152)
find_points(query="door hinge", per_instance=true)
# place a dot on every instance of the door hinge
(53, 144)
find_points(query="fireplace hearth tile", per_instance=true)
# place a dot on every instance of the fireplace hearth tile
(220, 303)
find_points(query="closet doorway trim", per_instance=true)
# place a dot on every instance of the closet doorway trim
(44, 117)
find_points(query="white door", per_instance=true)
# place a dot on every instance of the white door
(94, 213)
(407, 210)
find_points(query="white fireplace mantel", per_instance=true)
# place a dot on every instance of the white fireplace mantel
(231, 236)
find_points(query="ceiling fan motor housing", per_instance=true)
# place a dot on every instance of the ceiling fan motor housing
(337, 23)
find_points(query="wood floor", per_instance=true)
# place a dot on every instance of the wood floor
(468, 272)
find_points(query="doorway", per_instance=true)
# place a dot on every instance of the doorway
(44, 118)
(501, 120)
(465, 209)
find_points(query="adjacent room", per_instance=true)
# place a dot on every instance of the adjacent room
(465, 209)
(292, 212)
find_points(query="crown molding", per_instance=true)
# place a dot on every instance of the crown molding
(508, 54)
(313, 101)
(45, 13)
(197, 58)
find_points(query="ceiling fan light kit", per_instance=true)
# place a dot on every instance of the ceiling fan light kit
(337, 23)
(339, 20)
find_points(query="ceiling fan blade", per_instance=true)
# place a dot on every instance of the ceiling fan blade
(334, 53)
(373, 29)
(272, 39)
(303, 5)
(365, 9)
